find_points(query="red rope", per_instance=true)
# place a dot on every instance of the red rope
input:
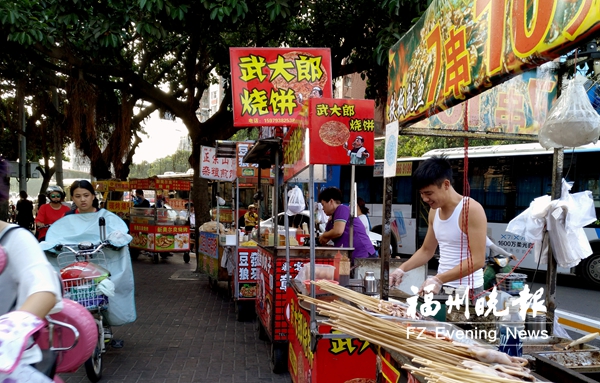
(507, 274)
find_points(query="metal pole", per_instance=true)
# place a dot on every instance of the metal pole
(551, 273)
(388, 189)
(352, 206)
(22, 140)
(311, 207)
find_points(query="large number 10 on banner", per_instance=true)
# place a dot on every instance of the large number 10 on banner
(270, 84)
(458, 49)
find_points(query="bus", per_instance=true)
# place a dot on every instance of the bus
(503, 178)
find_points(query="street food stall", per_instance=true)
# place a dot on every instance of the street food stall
(251, 179)
(481, 51)
(161, 231)
(331, 132)
(214, 241)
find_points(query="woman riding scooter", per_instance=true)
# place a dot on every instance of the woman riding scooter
(497, 261)
(29, 288)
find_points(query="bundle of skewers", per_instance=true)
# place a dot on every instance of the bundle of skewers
(368, 303)
(437, 359)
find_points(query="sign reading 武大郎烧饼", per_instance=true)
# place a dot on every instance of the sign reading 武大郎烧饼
(518, 106)
(270, 85)
(458, 49)
(330, 132)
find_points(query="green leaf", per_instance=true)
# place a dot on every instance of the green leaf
(115, 40)
(213, 14)
(142, 3)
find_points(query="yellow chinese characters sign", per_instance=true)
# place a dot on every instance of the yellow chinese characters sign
(270, 84)
(459, 48)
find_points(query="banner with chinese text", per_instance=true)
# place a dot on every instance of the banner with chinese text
(269, 85)
(517, 106)
(459, 48)
(159, 184)
(216, 168)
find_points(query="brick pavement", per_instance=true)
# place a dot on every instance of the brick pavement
(185, 332)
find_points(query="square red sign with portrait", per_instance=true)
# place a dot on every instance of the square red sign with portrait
(342, 131)
(270, 85)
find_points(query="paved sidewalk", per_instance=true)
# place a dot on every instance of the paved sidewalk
(185, 332)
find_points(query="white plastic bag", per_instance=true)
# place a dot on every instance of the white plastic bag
(296, 202)
(321, 216)
(572, 121)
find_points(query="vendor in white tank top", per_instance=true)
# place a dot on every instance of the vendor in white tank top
(448, 228)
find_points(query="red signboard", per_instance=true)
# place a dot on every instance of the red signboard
(159, 184)
(330, 132)
(270, 84)
(337, 360)
(342, 131)
(247, 272)
(295, 151)
(272, 284)
(458, 49)
(160, 238)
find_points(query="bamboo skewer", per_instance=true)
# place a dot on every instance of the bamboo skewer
(441, 360)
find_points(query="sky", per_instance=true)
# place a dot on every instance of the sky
(162, 139)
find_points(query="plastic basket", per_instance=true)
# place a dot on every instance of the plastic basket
(83, 291)
(511, 283)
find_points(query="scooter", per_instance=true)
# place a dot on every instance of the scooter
(64, 340)
(495, 264)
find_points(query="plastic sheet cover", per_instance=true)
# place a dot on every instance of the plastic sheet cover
(77, 228)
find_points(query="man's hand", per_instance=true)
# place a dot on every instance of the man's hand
(396, 277)
(431, 285)
(323, 240)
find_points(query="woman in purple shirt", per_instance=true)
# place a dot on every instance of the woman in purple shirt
(337, 229)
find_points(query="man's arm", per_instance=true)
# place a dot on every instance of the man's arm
(476, 234)
(426, 251)
(336, 231)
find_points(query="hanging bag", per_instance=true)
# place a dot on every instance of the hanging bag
(572, 121)
(296, 202)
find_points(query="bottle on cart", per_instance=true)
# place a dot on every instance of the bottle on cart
(510, 329)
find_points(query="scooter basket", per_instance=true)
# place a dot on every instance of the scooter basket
(511, 283)
(83, 291)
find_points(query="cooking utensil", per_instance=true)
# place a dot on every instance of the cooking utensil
(583, 339)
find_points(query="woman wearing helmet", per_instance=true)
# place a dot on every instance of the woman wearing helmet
(50, 212)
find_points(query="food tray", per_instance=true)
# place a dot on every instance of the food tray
(581, 361)
(537, 345)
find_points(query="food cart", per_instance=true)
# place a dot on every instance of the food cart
(114, 196)
(161, 231)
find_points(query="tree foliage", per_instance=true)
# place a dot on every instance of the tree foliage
(117, 54)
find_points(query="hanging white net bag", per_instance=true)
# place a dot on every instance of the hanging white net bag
(572, 121)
